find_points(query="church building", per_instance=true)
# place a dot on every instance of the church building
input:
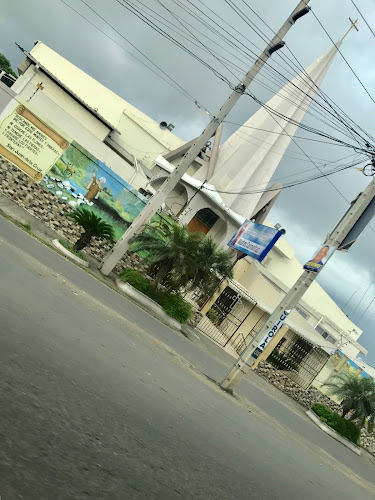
(214, 197)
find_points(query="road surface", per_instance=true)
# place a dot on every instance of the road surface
(97, 401)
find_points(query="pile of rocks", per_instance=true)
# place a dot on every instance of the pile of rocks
(304, 397)
(307, 398)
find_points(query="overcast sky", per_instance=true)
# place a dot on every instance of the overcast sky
(307, 212)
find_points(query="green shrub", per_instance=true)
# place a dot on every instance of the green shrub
(135, 279)
(173, 304)
(71, 249)
(213, 316)
(344, 427)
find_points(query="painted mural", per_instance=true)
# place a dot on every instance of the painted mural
(79, 178)
(340, 363)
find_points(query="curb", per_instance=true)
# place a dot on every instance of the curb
(148, 304)
(71, 255)
(331, 432)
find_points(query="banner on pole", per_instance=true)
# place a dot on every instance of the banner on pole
(270, 334)
(254, 239)
(319, 259)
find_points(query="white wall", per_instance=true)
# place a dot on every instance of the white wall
(42, 105)
(288, 270)
(143, 138)
(63, 100)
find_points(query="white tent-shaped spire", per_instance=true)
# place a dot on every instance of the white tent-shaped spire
(248, 159)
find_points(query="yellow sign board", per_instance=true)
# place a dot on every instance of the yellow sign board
(29, 143)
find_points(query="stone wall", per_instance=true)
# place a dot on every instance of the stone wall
(48, 208)
(306, 398)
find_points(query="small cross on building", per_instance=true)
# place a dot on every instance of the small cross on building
(353, 25)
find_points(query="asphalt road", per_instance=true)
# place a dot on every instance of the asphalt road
(97, 402)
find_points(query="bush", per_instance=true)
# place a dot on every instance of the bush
(213, 316)
(70, 247)
(135, 279)
(338, 423)
(173, 304)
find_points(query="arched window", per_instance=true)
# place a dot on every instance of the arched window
(203, 221)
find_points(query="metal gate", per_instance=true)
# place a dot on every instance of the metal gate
(241, 341)
(300, 360)
(222, 322)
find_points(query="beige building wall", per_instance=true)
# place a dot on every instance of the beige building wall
(42, 105)
(141, 136)
(288, 270)
(62, 99)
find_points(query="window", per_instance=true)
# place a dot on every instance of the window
(265, 262)
(207, 216)
(325, 335)
(302, 313)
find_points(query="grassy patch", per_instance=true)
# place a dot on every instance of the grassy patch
(344, 427)
(173, 304)
(70, 247)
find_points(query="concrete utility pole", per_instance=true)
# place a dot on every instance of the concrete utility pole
(117, 252)
(342, 237)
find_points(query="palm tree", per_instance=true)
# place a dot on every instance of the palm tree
(181, 259)
(92, 225)
(358, 397)
(172, 249)
(214, 264)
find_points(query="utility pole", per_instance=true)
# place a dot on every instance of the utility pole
(341, 238)
(117, 252)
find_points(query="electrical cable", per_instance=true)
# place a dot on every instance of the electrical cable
(167, 80)
(346, 61)
(251, 140)
(364, 312)
(268, 64)
(363, 17)
(131, 8)
(283, 57)
(257, 30)
(302, 181)
(363, 296)
(178, 42)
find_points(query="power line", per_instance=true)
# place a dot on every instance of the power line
(364, 312)
(364, 19)
(295, 136)
(269, 66)
(363, 296)
(167, 80)
(250, 139)
(297, 183)
(346, 61)
(302, 125)
(264, 37)
(220, 60)
(283, 57)
(131, 8)
(190, 32)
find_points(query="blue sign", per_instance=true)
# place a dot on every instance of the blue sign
(254, 239)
